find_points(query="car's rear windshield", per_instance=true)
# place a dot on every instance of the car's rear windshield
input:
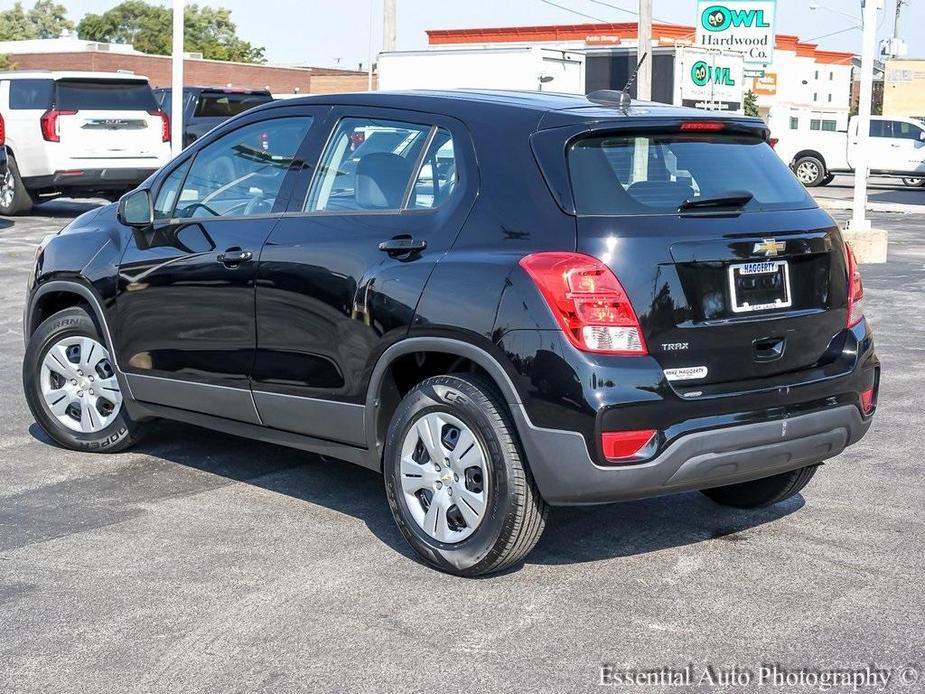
(619, 174)
(226, 105)
(104, 95)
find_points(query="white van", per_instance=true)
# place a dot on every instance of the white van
(897, 148)
(79, 134)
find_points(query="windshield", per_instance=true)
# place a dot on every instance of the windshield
(655, 174)
(104, 95)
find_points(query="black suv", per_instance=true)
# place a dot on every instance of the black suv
(206, 107)
(523, 300)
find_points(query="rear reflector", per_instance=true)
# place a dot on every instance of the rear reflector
(855, 289)
(625, 445)
(867, 401)
(2, 131)
(703, 126)
(773, 141)
(588, 302)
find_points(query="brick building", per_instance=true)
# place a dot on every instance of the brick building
(74, 54)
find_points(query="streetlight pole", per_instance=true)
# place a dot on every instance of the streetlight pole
(369, 66)
(644, 43)
(859, 221)
(176, 80)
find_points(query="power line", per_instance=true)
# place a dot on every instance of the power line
(833, 33)
(569, 9)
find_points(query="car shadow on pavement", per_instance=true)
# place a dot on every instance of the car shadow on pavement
(573, 534)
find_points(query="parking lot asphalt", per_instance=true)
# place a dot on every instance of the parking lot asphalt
(200, 562)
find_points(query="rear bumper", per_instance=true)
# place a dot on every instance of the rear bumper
(113, 178)
(566, 474)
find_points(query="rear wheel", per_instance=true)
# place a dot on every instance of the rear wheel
(14, 198)
(763, 492)
(71, 385)
(810, 170)
(914, 182)
(455, 480)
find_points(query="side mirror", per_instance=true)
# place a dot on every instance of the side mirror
(135, 209)
(922, 135)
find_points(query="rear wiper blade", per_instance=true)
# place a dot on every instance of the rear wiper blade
(730, 199)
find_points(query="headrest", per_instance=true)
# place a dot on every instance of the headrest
(381, 181)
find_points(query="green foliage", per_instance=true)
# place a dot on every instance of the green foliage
(751, 103)
(15, 25)
(46, 20)
(50, 19)
(209, 31)
(6, 63)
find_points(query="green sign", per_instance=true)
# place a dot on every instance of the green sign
(702, 74)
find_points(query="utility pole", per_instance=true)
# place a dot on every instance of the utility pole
(389, 29)
(644, 77)
(899, 9)
(176, 80)
(859, 221)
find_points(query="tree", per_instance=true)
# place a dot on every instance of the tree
(50, 19)
(751, 103)
(209, 31)
(15, 25)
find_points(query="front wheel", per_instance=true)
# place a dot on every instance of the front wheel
(914, 182)
(763, 492)
(810, 171)
(71, 385)
(457, 486)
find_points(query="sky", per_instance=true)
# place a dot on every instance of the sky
(332, 33)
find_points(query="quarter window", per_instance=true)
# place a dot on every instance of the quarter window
(437, 178)
(367, 166)
(31, 94)
(241, 173)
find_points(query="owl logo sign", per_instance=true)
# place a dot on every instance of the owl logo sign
(743, 26)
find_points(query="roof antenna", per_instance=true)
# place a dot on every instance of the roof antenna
(625, 98)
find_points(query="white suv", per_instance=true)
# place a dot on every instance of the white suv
(78, 134)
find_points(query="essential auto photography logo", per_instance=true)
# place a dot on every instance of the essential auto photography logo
(857, 679)
(720, 18)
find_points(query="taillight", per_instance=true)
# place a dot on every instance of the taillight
(2, 131)
(773, 141)
(165, 124)
(627, 445)
(702, 126)
(588, 301)
(855, 290)
(49, 122)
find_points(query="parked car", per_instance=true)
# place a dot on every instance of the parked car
(542, 300)
(206, 107)
(81, 134)
(897, 148)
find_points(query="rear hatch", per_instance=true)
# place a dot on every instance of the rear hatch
(733, 271)
(108, 118)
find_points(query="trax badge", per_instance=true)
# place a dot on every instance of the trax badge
(769, 247)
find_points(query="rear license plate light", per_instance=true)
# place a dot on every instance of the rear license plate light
(759, 286)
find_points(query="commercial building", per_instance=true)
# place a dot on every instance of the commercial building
(75, 54)
(904, 88)
(802, 77)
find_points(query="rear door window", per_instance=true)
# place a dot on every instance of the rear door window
(104, 95)
(653, 174)
(31, 94)
(221, 105)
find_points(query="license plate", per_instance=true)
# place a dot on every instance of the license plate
(759, 286)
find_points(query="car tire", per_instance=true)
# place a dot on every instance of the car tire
(763, 492)
(14, 198)
(497, 514)
(71, 386)
(810, 171)
(913, 182)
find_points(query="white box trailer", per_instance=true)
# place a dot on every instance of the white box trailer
(517, 67)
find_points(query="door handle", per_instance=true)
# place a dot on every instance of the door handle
(234, 257)
(401, 245)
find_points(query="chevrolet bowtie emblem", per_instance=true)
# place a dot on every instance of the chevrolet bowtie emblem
(769, 247)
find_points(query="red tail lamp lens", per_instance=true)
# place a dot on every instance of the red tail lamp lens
(867, 401)
(588, 302)
(855, 290)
